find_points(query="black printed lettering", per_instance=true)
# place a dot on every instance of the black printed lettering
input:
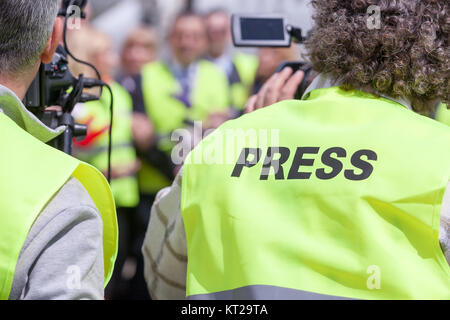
(243, 161)
(277, 165)
(298, 162)
(333, 163)
(365, 166)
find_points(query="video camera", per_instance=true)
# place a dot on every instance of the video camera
(55, 85)
(270, 31)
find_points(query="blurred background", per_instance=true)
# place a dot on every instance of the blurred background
(128, 13)
(169, 63)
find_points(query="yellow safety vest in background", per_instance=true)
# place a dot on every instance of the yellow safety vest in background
(443, 114)
(31, 174)
(353, 213)
(246, 66)
(160, 87)
(97, 115)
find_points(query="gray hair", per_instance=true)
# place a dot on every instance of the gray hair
(25, 27)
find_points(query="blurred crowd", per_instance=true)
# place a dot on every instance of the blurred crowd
(201, 79)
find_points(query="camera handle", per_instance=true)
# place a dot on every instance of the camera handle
(295, 33)
(57, 119)
(73, 130)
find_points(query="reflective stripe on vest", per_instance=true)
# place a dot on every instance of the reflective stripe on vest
(443, 114)
(97, 115)
(338, 195)
(31, 173)
(265, 293)
(95, 151)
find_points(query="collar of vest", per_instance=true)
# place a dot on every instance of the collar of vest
(178, 69)
(12, 107)
(323, 81)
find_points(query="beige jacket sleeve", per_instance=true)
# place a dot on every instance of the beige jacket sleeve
(164, 250)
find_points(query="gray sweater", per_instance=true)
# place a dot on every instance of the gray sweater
(62, 258)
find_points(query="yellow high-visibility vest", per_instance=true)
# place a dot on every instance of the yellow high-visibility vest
(443, 114)
(97, 116)
(338, 196)
(31, 173)
(210, 93)
(246, 66)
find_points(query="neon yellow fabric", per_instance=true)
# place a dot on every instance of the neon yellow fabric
(333, 224)
(151, 180)
(247, 66)
(31, 174)
(168, 113)
(209, 94)
(443, 114)
(97, 115)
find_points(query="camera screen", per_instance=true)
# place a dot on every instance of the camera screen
(262, 29)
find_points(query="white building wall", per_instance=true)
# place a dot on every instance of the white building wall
(126, 14)
(299, 12)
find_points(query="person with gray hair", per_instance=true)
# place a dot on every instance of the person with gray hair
(58, 230)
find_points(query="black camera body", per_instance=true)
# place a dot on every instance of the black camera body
(50, 86)
(65, 6)
(270, 30)
(55, 86)
(295, 66)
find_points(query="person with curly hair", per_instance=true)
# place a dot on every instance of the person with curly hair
(347, 196)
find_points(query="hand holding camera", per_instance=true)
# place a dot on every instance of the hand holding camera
(292, 78)
(281, 86)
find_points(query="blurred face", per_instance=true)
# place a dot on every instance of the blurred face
(105, 60)
(139, 49)
(270, 59)
(188, 40)
(219, 33)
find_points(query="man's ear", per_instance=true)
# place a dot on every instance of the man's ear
(53, 41)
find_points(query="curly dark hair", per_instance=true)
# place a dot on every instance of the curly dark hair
(408, 56)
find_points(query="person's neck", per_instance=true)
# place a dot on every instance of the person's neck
(19, 84)
(108, 79)
(184, 65)
(216, 55)
(178, 65)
